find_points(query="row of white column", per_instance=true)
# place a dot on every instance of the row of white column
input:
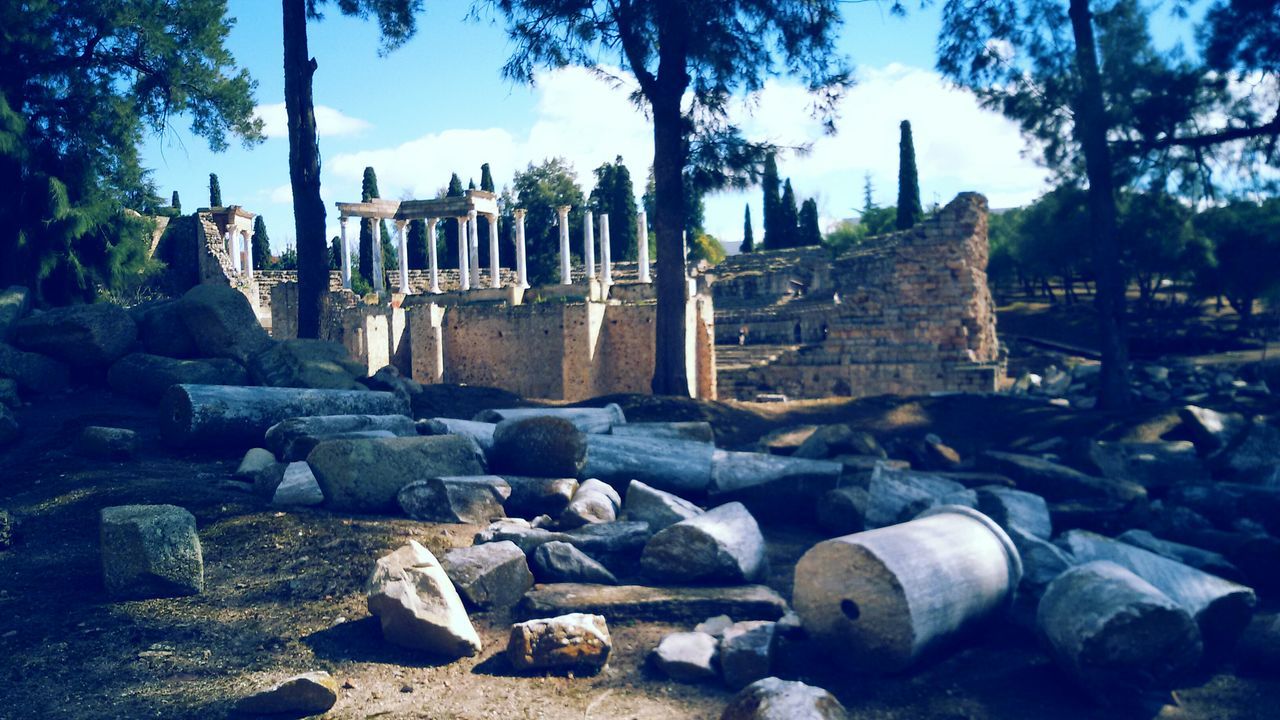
(469, 251)
(240, 248)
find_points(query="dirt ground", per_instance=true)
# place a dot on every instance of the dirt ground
(284, 594)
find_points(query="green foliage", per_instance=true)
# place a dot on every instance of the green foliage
(541, 189)
(615, 196)
(879, 221)
(176, 203)
(748, 234)
(486, 179)
(288, 259)
(868, 204)
(774, 236)
(788, 227)
(449, 256)
(482, 222)
(261, 244)
(417, 245)
(335, 253)
(909, 209)
(1156, 235)
(215, 191)
(808, 232)
(705, 247)
(1246, 243)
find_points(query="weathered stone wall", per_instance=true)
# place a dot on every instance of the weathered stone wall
(903, 313)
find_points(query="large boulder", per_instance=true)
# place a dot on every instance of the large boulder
(417, 605)
(560, 562)
(469, 499)
(365, 475)
(577, 642)
(544, 445)
(9, 394)
(81, 336)
(1211, 430)
(162, 330)
(318, 364)
(14, 303)
(489, 575)
(721, 545)
(1255, 457)
(774, 699)
(295, 438)
(222, 323)
(106, 443)
(150, 551)
(1015, 508)
(896, 496)
(658, 508)
(33, 372)
(148, 376)
(534, 496)
(10, 430)
(1150, 464)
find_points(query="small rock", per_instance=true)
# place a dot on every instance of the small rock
(489, 575)
(255, 461)
(1210, 429)
(106, 443)
(150, 551)
(1015, 508)
(294, 438)
(686, 656)
(544, 446)
(310, 693)
(842, 511)
(560, 562)
(746, 653)
(721, 545)
(714, 626)
(774, 699)
(594, 502)
(577, 642)
(472, 499)
(298, 487)
(534, 496)
(418, 606)
(658, 508)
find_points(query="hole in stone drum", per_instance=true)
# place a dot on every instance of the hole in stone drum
(850, 609)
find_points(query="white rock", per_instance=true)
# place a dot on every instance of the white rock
(687, 656)
(418, 606)
(299, 487)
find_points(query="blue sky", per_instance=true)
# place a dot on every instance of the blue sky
(439, 104)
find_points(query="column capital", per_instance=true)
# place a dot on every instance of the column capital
(519, 213)
(401, 223)
(342, 220)
(563, 210)
(471, 214)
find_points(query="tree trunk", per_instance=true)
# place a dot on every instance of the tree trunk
(1091, 131)
(670, 376)
(304, 171)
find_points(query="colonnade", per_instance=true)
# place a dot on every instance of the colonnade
(239, 244)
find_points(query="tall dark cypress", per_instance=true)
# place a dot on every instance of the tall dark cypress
(215, 191)
(809, 233)
(748, 235)
(368, 191)
(417, 245)
(909, 209)
(788, 230)
(449, 258)
(482, 222)
(261, 244)
(774, 238)
(175, 203)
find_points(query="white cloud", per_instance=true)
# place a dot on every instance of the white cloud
(282, 195)
(329, 121)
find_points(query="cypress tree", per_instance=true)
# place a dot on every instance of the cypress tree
(909, 210)
(774, 237)
(748, 236)
(486, 179)
(482, 222)
(335, 253)
(868, 204)
(809, 233)
(215, 191)
(368, 191)
(615, 196)
(788, 223)
(449, 258)
(261, 244)
(175, 203)
(417, 245)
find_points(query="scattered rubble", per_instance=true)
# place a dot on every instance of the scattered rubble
(489, 575)
(577, 642)
(150, 551)
(417, 604)
(774, 699)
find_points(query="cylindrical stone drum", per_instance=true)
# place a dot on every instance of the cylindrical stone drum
(881, 599)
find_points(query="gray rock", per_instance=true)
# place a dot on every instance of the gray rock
(896, 496)
(14, 303)
(365, 475)
(1204, 560)
(1015, 508)
(1210, 429)
(222, 323)
(1255, 458)
(9, 394)
(658, 508)
(304, 363)
(746, 653)
(33, 372)
(10, 430)
(829, 441)
(672, 465)
(545, 446)
(295, 438)
(310, 693)
(1042, 563)
(1259, 650)
(150, 551)
(721, 545)
(608, 543)
(774, 699)
(1056, 482)
(1150, 464)
(686, 656)
(665, 604)
(577, 642)
(489, 575)
(162, 330)
(692, 431)
(297, 487)
(842, 511)
(714, 626)
(588, 420)
(474, 499)
(560, 562)
(107, 443)
(417, 605)
(147, 377)
(534, 496)
(81, 336)
(255, 461)
(785, 441)
(773, 487)
(481, 432)
(593, 502)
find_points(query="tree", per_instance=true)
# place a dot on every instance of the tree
(416, 245)
(215, 191)
(396, 22)
(1246, 243)
(1156, 234)
(788, 226)
(482, 222)
(176, 203)
(774, 237)
(748, 237)
(335, 253)
(449, 255)
(868, 204)
(808, 233)
(541, 189)
(615, 196)
(909, 210)
(706, 52)
(261, 244)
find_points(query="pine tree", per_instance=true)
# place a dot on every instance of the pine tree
(774, 238)
(261, 244)
(748, 235)
(614, 195)
(788, 223)
(417, 245)
(809, 233)
(449, 258)
(175, 203)
(868, 204)
(909, 210)
(215, 191)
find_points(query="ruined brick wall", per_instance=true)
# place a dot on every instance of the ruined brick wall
(904, 313)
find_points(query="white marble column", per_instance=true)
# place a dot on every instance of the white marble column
(233, 250)
(606, 273)
(474, 249)
(684, 244)
(431, 255)
(566, 270)
(248, 255)
(642, 246)
(589, 243)
(522, 271)
(344, 247)
(379, 283)
(401, 232)
(464, 267)
(495, 268)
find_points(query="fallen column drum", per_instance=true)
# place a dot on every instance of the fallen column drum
(879, 600)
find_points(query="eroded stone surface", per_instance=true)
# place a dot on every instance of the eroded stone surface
(150, 551)
(418, 606)
(578, 641)
(310, 693)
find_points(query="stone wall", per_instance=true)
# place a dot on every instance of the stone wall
(904, 313)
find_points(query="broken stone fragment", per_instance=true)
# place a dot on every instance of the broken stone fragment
(417, 605)
(665, 604)
(481, 432)
(1150, 464)
(577, 642)
(10, 430)
(255, 461)
(162, 331)
(544, 446)
(746, 653)
(365, 475)
(107, 443)
(308, 363)
(1254, 458)
(774, 487)
(310, 693)
(82, 336)
(298, 487)
(473, 499)
(658, 508)
(1056, 482)
(14, 303)
(1042, 563)
(33, 372)
(222, 323)
(721, 545)
(147, 377)
(1015, 508)
(9, 397)
(534, 496)
(560, 562)
(489, 575)
(1211, 430)
(692, 431)
(896, 496)
(686, 656)
(842, 511)
(588, 420)
(294, 438)
(608, 543)
(829, 441)
(1205, 560)
(593, 502)
(714, 626)
(677, 466)
(150, 551)
(774, 699)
